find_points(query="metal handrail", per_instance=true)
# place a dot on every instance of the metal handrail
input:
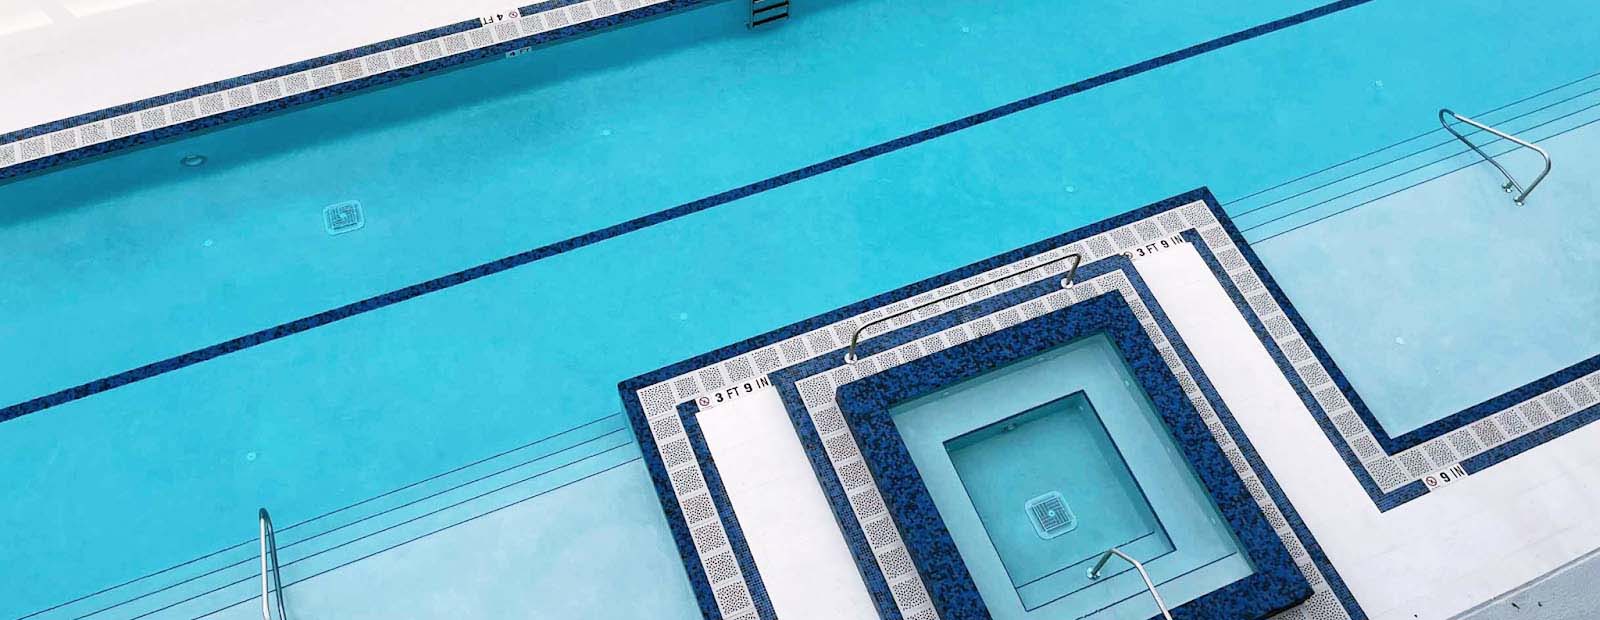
(850, 354)
(1094, 573)
(269, 566)
(1511, 183)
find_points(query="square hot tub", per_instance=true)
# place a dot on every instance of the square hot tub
(1035, 481)
(1010, 463)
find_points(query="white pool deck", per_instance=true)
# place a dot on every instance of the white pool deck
(1432, 558)
(62, 58)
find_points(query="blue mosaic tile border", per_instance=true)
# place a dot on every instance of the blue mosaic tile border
(41, 147)
(865, 404)
(740, 369)
(1392, 470)
(813, 380)
(157, 368)
(715, 554)
(719, 497)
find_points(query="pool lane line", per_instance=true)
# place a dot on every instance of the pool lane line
(324, 515)
(426, 534)
(616, 230)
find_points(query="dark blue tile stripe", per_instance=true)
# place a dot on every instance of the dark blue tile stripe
(952, 605)
(1573, 421)
(730, 521)
(616, 230)
(1385, 501)
(843, 514)
(1276, 585)
(1482, 410)
(676, 522)
(910, 290)
(807, 433)
(1390, 444)
(1291, 516)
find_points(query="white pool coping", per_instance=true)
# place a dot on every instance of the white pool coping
(95, 54)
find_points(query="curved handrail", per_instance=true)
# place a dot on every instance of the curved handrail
(1094, 573)
(269, 566)
(1511, 183)
(850, 354)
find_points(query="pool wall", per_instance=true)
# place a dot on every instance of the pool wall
(1276, 585)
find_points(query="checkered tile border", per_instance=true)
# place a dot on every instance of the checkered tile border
(526, 23)
(660, 399)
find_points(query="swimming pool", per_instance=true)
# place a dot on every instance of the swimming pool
(799, 169)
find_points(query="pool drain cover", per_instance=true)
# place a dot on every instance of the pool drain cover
(343, 217)
(1050, 515)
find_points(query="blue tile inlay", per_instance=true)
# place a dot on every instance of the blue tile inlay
(1278, 511)
(1276, 585)
(730, 521)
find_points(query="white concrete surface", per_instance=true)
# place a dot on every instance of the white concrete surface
(61, 58)
(804, 561)
(1431, 558)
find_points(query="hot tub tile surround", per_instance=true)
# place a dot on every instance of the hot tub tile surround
(204, 107)
(740, 369)
(865, 404)
(1479, 438)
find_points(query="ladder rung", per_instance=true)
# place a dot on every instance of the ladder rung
(767, 11)
(768, 20)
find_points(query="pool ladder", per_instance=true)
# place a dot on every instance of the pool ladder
(1511, 183)
(763, 12)
(271, 581)
(1094, 573)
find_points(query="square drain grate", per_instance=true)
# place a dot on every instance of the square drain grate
(343, 217)
(1051, 516)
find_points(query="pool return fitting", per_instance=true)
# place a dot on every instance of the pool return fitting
(271, 589)
(1511, 183)
(1094, 573)
(850, 354)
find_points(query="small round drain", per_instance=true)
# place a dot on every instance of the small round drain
(193, 161)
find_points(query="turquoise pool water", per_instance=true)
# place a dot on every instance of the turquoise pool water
(1075, 422)
(437, 441)
(1014, 472)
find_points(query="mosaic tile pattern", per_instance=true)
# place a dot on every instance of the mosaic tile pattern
(1391, 478)
(62, 143)
(1124, 310)
(818, 393)
(1150, 230)
(1520, 420)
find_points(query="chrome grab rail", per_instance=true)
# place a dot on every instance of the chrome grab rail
(272, 590)
(1094, 573)
(850, 355)
(1511, 183)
